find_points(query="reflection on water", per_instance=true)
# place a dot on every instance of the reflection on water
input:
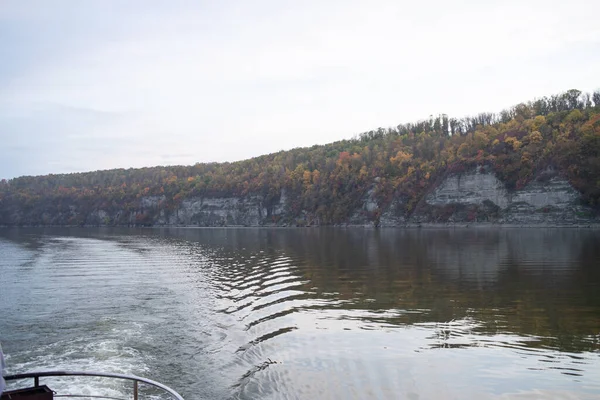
(311, 313)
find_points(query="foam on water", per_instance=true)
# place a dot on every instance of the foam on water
(43, 332)
(111, 354)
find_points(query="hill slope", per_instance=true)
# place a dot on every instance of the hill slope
(391, 173)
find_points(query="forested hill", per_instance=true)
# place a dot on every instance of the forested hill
(329, 183)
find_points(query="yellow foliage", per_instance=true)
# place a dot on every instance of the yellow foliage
(464, 150)
(400, 158)
(537, 122)
(490, 131)
(514, 142)
(316, 176)
(592, 127)
(364, 173)
(480, 140)
(306, 178)
(574, 116)
(535, 137)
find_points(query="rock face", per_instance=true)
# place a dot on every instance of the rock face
(553, 201)
(154, 211)
(369, 206)
(475, 196)
(556, 192)
(470, 188)
(220, 211)
(394, 214)
(217, 211)
(478, 196)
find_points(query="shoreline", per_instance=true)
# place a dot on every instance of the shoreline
(427, 225)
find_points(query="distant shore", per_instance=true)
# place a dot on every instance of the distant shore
(428, 225)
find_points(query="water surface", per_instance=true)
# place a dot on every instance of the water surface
(309, 313)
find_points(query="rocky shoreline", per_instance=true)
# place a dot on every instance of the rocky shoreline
(475, 198)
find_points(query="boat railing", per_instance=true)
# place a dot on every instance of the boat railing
(135, 379)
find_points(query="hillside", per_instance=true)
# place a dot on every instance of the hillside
(379, 173)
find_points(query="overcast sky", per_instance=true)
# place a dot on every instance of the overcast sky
(88, 85)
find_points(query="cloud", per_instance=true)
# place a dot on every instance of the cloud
(184, 82)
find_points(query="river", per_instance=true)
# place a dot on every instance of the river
(308, 313)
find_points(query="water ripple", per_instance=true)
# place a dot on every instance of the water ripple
(310, 313)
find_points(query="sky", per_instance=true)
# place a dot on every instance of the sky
(99, 84)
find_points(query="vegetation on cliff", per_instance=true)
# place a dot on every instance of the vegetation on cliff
(328, 183)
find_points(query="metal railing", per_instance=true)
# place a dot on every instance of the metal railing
(136, 380)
